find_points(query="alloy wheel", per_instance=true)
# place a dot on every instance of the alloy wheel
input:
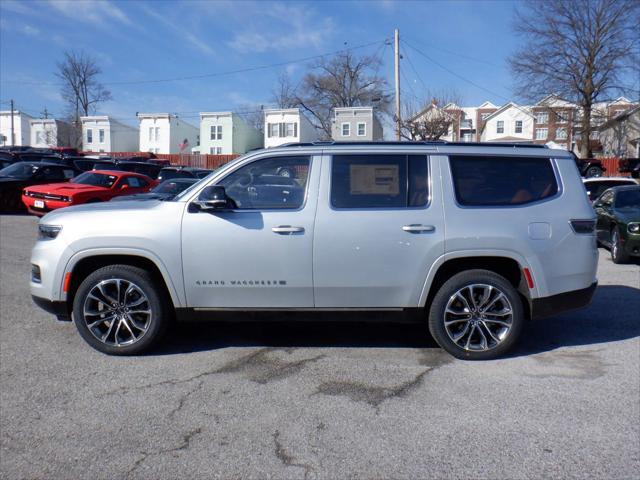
(117, 312)
(478, 317)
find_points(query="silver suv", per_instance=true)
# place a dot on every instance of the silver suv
(478, 237)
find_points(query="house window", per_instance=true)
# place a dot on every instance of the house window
(561, 117)
(594, 135)
(346, 129)
(216, 132)
(561, 133)
(362, 129)
(89, 135)
(272, 130)
(157, 133)
(518, 126)
(500, 126)
(542, 118)
(101, 135)
(291, 130)
(40, 137)
(150, 134)
(541, 133)
(467, 137)
(215, 150)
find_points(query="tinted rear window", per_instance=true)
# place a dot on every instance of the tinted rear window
(502, 181)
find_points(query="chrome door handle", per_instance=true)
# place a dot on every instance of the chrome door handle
(287, 229)
(417, 228)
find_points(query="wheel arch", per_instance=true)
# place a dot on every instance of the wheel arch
(505, 264)
(84, 263)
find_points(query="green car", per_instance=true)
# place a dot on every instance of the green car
(618, 224)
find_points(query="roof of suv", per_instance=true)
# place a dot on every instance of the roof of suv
(497, 148)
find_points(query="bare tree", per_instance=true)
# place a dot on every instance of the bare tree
(344, 80)
(284, 94)
(580, 49)
(430, 119)
(81, 89)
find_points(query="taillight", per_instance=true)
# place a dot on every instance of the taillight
(583, 227)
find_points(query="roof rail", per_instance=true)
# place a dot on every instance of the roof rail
(408, 143)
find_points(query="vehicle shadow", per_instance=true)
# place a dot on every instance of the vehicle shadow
(612, 316)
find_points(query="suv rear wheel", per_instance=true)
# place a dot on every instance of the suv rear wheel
(118, 310)
(476, 315)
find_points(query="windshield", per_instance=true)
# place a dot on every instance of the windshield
(22, 170)
(213, 172)
(95, 179)
(173, 186)
(628, 199)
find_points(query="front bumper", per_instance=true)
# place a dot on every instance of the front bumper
(556, 304)
(59, 309)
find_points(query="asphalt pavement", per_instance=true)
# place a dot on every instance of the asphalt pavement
(318, 399)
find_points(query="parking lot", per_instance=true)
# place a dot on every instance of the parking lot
(318, 399)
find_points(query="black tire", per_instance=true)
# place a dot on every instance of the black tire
(159, 317)
(618, 254)
(94, 200)
(459, 282)
(593, 172)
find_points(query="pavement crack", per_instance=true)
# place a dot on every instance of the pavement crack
(286, 458)
(184, 445)
(372, 395)
(183, 398)
(260, 367)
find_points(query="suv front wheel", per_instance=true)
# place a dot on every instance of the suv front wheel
(476, 315)
(118, 310)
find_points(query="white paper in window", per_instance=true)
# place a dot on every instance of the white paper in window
(375, 179)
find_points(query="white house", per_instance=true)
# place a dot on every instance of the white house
(49, 132)
(166, 133)
(21, 128)
(101, 133)
(510, 123)
(355, 124)
(225, 133)
(287, 126)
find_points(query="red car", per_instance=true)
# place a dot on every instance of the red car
(88, 187)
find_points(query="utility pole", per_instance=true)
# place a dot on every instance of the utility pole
(45, 114)
(396, 42)
(12, 134)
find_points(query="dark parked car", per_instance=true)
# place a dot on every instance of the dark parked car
(7, 158)
(618, 224)
(165, 191)
(589, 167)
(149, 169)
(182, 172)
(14, 178)
(630, 165)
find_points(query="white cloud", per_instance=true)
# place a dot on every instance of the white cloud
(93, 11)
(30, 30)
(286, 27)
(182, 31)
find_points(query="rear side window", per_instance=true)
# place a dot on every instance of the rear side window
(379, 181)
(502, 181)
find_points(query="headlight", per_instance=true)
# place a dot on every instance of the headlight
(48, 232)
(634, 228)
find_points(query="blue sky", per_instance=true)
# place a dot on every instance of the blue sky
(137, 41)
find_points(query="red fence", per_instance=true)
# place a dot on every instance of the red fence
(612, 165)
(187, 159)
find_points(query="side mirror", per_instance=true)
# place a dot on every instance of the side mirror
(213, 197)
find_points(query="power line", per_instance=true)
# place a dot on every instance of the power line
(216, 74)
(451, 52)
